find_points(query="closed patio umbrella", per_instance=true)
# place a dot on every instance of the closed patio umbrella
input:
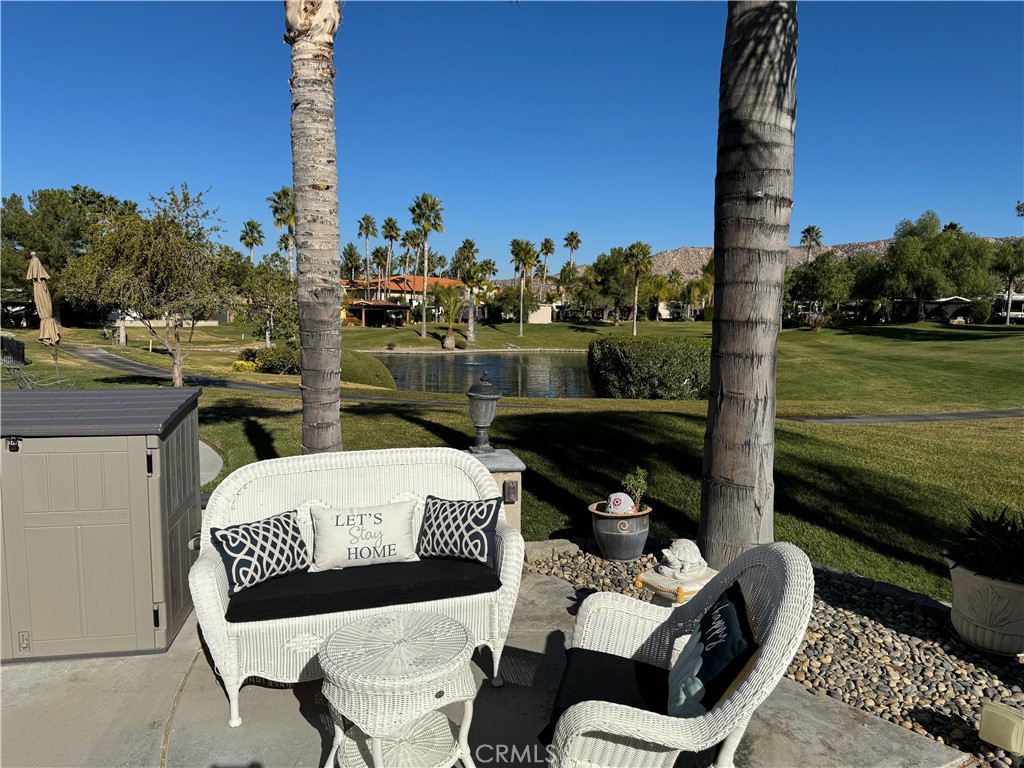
(49, 333)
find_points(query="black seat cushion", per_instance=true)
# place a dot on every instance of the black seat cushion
(307, 594)
(596, 676)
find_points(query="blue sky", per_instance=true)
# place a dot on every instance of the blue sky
(527, 120)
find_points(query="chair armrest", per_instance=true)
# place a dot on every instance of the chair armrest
(208, 583)
(510, 552)
(625, 730)
(627, 627)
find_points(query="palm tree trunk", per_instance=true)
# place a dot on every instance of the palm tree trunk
(366, 274)
(387, 290)
(471, 324)
(311, 30)
(753, 189)
(252, 255)
(423, 331)
(291, 255)
(522, 285)
(1009, 298)
(636, 301)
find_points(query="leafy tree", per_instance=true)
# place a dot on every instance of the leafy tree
(953, 227)
(428, 215)
(1020, 208)
(389, 231)
(868, 276)
(911, 269)
(506, 302)
(1008, 266)
(251, 237)
(56, 225)
(367, 229)
(547, 248)
(524, 257)
(753, 200)
(232, 269)
(811, 236)
(925, 262)
(282, 208)
(572, 243)
(567, 283)
(926, 227)
(162, 268)
(269, 294)
(351, 261)
(611, 276)
(827, 279)
(638, 262)
(310, 33)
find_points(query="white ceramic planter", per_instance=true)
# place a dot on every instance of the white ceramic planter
(988, 613)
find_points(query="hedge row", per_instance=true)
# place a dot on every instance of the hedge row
(645, 368)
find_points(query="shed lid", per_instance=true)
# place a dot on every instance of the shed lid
(94, 412)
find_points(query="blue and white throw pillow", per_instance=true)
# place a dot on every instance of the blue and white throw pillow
(462, 529)
(257, 551)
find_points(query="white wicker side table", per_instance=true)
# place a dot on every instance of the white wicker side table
(389, 674)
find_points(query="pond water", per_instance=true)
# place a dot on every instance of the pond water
(515, 374)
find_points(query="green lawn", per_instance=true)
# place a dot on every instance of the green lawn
(876, 500)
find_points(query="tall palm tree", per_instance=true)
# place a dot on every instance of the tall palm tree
(310, 32)
(379, 259)
(251, 237)
(465, 255)
(285, 243)
(367, 229)
(412, 239)
(638, 261)
(524, 257)
(572, 242)
(427, 214)
(389, 231)
(753, 200)
(811, 236)
(282, 207)
(547, 248)
(476, 277)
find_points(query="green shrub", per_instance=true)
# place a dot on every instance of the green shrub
(361, 368)
(277, 360)
(248, 354)
(709, 312)
(981, 311)
(460, 343)
(646, 368)
(245, 366)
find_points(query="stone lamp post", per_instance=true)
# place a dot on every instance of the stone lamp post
(483, 404)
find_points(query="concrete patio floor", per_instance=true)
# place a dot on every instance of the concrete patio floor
(168, 710)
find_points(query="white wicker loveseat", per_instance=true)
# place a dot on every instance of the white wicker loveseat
(778, 588)
(285, 650)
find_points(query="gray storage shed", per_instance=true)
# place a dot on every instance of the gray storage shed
(99, 494)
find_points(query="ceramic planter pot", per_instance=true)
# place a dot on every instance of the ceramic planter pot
(987, 613)
(620, 537)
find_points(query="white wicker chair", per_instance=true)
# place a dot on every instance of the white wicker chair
(778, 588)
(285, 650)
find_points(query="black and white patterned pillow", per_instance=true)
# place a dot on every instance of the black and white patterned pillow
(462, 529)
(255, 552)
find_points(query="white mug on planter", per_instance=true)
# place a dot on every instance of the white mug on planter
(620, 504)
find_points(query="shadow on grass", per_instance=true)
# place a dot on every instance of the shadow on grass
(582, 328)
(134, 380)
(932, 332)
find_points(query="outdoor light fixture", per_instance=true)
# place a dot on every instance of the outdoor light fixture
(483, 403)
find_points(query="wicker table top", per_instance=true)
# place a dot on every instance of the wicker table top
(396, 650)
